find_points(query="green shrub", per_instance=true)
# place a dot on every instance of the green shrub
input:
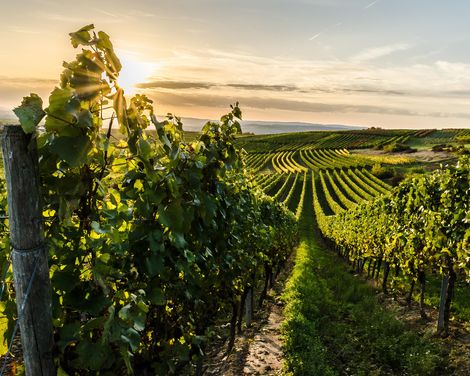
(439, 147)
(398, 147)
(381, 172)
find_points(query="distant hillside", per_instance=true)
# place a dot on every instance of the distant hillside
(267, 127)
(7, 116)
(256, 127)
(271, 127)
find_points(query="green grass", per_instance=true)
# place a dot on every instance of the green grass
(334, 324)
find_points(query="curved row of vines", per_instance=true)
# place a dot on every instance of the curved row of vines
(422, 226)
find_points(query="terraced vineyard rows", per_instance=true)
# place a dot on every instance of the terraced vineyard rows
(285, 162)
(304, 159)
(344, 200)
(341, 179)
(356, 139)
(444, 137)
(258, 161)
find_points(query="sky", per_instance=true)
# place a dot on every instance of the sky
(384, 63)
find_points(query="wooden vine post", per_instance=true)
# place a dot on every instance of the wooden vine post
(29, 252)
(249, 307)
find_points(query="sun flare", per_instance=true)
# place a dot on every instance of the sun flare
(134, 72)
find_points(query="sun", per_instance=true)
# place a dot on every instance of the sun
(134, 71)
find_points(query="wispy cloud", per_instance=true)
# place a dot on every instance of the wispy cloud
(337, 24)
(329, 28)
(279, 104)
(183, 85)
(73, 20)
(428, 54)
(27, 81)
(22, 30)
(137, 13)
(345, 89)
(370, 5)
(315, 76)
(378, 52)
(174, 85)
(262, 87)
(12, 89)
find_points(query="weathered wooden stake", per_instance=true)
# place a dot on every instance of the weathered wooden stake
(385, 277)
(249, 307)
(379, 264)
(447, 292)
(422, 286)
(440, 319)
(29, 254)
(410, 293)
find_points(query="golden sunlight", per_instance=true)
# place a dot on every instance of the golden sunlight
(134, 71)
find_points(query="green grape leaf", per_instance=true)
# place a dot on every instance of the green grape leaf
(154, 265)
(113, 60)
(30, 113)
(132, 337)
(82, 36)
(63, 112)
(92, 355)
(85, 119)
(171, 216)
(69, 334)
(73, 150)
(157, 296)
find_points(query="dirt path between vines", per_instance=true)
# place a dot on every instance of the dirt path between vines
(258, 350)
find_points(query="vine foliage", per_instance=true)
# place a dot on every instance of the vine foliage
(422, 226)
(152, 239)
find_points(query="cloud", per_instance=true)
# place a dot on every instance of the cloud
(182, 100)
(22, 30)
(370, 5)
(174, 85)
(264, 87)
(314, 107)
(205, 78)
(458, 71)
(379, 88)
(127, 14)
(378, 52)
(458, 93)
(181, 85)
(334, 26)
(27, 81)
(137, 13)
(428, 54)
(372, 90)
(74, 19)
(13, 89)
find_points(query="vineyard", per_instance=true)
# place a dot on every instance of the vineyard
(360, 139)
(159, 243)
(415, 234)
(421, 228)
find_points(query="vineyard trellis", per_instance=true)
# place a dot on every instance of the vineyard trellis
(419, 227)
